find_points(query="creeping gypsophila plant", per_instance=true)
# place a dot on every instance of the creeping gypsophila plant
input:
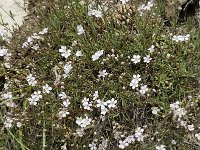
(86, 78)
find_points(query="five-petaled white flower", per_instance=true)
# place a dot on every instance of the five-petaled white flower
(147, 59)
(143, 89)
(135, 59)
(112, 103)
(65, 52)
(102, 73)
(46, 88)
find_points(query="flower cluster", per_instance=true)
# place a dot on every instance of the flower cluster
(36, 36)
(65, 103)
(132, 138)
(83, 122)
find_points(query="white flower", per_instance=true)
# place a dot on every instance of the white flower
(161, 147)
(95, 95)
(180, 38)
(124, 1)
(44, 31)
(46, 88)
(145, 7)
(93, 146)
(97, 55)
(101, 104)
(64, 147)
(35, 47)
(130, 139)
(3, 52)
(80, 29)
(139, 134)
(143, 89)
(19, 124)
(134, 83)
(80, 132)
(191, 127)
(135, 59)
(8, 123)
(197, 136)
(67, 69)
(62, 95)
(122, 144)
(83, 122)
(96, 13)
(31, 80)
(180, 112)
(102, 73)
(63, 113)
(86, 104)
(175, 105)
(79, 54)
(137, 77)
(7, 95)
(147, 59)
(104, 111)
(112, 103)
(151, 49)
(155, 110)
(10, 104)
(35, 97)
(66, 103)
(64, 52)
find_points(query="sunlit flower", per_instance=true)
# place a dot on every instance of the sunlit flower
(46, 88)
(7, 95)
(135, 59)
(31, 80)
(147, 59)
(124, 1)
(197, 136)
(83, 122)
(3, 52)
(93, 146)
(8, 123)
(161, 147)
(180, 38)
(44, 31)
(191, 127)
(97, 55)
(151, 49)
(143, 89)
(67, 68)
(122, 144)
(80, 29)
(79, 54)
(155, 110)
(65, 52)
(96, 13)
(102, 73)
(112, 103)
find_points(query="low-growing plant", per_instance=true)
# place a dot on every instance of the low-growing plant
(87, 76)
